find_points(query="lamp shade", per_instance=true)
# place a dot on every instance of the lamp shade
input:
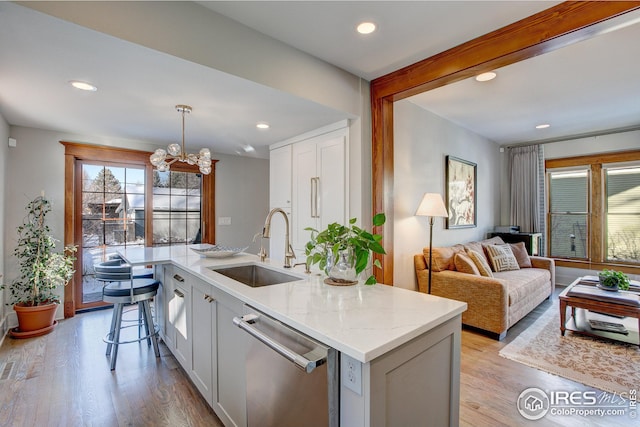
(432, 205)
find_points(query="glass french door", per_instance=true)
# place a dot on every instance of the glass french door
(111, 206)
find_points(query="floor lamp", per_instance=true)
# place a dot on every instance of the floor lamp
(431, 206)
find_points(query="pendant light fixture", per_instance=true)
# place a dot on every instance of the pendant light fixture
(163, 159)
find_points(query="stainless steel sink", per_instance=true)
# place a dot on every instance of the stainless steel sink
(255, 276)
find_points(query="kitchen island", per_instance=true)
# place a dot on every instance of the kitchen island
(403, 345)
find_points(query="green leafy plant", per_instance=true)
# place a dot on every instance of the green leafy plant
(41, 269)
(612, 278)
(337, 237)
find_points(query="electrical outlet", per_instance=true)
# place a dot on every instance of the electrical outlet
(352, 374)
(224, 220)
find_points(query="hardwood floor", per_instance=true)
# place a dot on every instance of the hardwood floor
(63, 379)
(490, 384)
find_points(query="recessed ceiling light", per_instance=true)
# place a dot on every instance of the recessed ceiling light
(485, 77)
(543, 126)
(262, 125)
(366, 27)
(83, 85)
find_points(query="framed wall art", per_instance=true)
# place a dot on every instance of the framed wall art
(461, 192)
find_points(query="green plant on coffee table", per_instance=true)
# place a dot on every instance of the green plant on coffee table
(612, 278)
(337, 237)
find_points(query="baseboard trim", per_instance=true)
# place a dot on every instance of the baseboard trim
(4, 328)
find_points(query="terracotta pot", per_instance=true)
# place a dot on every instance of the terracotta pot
(35, 318)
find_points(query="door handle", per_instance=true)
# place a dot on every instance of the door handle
(315, 183)
(299, 360)
(311, 197)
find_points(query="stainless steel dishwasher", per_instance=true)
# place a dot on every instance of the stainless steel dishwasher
(292, 380)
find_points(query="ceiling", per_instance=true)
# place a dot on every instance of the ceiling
(138, 86)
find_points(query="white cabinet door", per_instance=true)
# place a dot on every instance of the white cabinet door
(332, 186)
(279, 197)
(280, 177)
(319, 185)
(231, 404)
(167, 331)
(305, 184)
(179, 314)
(203, 305)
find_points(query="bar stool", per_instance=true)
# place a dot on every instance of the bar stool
(139, 272)
(122, 288)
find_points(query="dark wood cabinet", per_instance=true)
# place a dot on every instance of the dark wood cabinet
(531, 241)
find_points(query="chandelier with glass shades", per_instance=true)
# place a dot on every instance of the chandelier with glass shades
(163, 159)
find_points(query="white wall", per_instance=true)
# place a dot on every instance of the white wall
(4, 155)
(37, 164)
(242, 193)
(190, 31)
(593, 145)
(422, 140)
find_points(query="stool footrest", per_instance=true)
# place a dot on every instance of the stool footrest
(156, 331)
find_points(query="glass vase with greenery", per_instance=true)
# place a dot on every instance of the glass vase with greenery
(328, 243)
(41, 269)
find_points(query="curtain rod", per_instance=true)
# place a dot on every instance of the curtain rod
(572, 137)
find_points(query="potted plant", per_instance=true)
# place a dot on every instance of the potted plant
(41, 271)
(612, 280)
(343, 251)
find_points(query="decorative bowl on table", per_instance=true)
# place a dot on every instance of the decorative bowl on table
(611, 280)
(218, 251)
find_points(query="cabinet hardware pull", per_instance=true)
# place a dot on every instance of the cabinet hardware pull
(178, 278)
(299, 360)
(209, 298)
(317, 199)
(178, 293)
(315, 181)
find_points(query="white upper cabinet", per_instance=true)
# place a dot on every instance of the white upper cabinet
(319, 185)
(309, 181)
(280, 177)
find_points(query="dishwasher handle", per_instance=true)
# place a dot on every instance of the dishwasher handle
(299, 361)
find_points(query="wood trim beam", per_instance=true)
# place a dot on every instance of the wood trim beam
(588, 265)
(618, 157)
(69, 308)
(596, 228)
(553, 28)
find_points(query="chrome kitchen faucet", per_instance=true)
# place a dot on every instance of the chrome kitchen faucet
(266, 233)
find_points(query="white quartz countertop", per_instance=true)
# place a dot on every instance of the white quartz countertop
(362, 321)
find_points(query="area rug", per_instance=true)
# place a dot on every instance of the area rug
(599, 363)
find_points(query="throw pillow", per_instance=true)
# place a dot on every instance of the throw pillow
(464, 264)
(520, 252)
(501, 257)
(442, 258)
(480, 262)
(475, 246)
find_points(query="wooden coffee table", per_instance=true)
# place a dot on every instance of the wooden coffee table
(583, 296)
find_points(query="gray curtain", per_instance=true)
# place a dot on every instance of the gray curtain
(526, 172)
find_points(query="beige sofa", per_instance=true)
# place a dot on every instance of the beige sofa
(494, 303)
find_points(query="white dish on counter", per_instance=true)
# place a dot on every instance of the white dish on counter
(218, 251)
